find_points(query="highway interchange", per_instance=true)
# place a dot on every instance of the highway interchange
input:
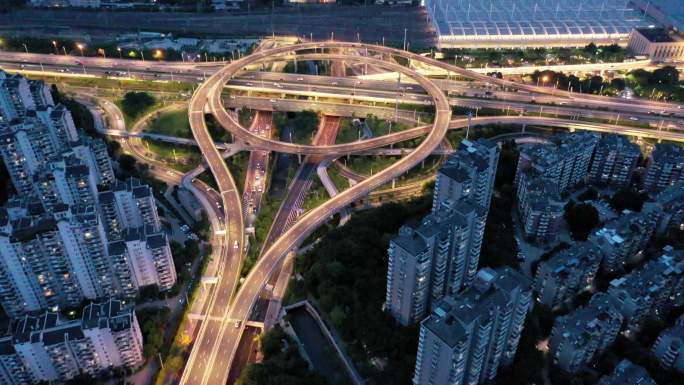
(214, 370)
(229, 309)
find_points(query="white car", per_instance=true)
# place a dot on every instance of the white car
(237, 324)
(235, 244)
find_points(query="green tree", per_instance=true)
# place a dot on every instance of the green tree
(640, 77)
(627, 199)
(581, 218)
(127, 163)
(667, 75)
(135, 103)
(618, 84)
(591, 49)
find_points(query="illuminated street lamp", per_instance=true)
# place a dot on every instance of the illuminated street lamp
(80, 47)
(158, 54)
(54, 44)
(25, 47)
(119, 49)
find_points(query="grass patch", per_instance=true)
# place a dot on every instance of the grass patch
(316, 194)
(346, 132)
(267, 212)
(302, 125)
(180, 157)
(171, 123)
(369, 165)
(237, 164)
(340, 182)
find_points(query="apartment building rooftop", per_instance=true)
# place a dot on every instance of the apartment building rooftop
(451, 318)
(627, 373)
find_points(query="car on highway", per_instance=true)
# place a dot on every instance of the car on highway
(300, 79)
(633, 118)
(237, 324)
(235, 245)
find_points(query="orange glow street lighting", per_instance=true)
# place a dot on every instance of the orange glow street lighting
(80, 47)
(158, 54)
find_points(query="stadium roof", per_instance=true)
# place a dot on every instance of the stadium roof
(542, 20)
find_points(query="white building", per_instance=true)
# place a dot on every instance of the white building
(149, 256)
(47, 348)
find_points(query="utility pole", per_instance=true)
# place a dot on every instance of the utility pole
(404, 39)
(470, 118)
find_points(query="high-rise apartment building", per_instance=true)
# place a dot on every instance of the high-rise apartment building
(650, 291)
(469, 173)
(667, 209)
(55, 234)
(129, 204)
(437, 258)
(46, 348)
(148, 255)
(669, 347)
(467, 338)
(540, 207)
(567, 273)
(614, 161)
(51, 261)
(627, 373)
(665, 167)
(441, 255)
(623, 238)
(576, 338)
(565, 161)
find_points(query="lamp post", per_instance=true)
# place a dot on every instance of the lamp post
(119, 49)
(54, 44)
(80, 47)
(25, 47)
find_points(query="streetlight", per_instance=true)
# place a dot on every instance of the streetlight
(119, 49)
(54, 44)
(142, 55)
(80, 47)
(25, 47)
(158, 54)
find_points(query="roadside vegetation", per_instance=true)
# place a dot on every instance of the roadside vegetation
(659, 84)
(282, 364)
(262, 224)
(480, 57)
(302, 125)
(177, 156)
(344, 275)
(134, 105)
(171, 123)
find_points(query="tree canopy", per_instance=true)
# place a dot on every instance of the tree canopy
(135, 103)
(582, 219)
